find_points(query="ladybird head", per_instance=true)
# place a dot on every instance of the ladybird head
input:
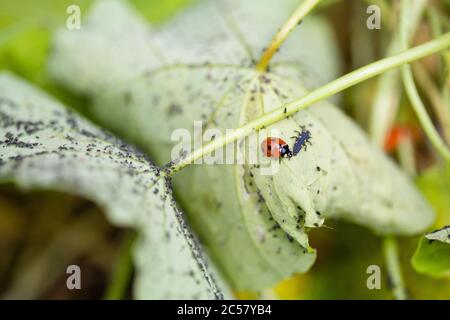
(285, 152)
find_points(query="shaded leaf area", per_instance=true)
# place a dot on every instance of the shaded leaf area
(46, 146)
(200, 67)
(42, 233)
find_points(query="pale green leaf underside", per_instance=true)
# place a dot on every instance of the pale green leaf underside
(432, 256)
(43, 145)
(200, 67)
(442, 235)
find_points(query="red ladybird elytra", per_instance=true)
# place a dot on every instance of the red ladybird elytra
(276, 148)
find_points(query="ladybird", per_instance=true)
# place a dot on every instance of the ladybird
(301, 139)
(276, 148)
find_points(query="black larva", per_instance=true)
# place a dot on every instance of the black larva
(301, 140)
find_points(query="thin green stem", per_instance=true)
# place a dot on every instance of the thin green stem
(386, 100)
(406, 155)
(413, 94)
(421, 113)
(303, 9)
(391, 256)
(319, 94)
(123, 270)
(436, 99)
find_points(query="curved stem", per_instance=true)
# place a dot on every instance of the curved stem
(436, 99)
(413, 95)
(303, 9)
(386, 102)
(420, 110)
(319, 94)
(391, 256)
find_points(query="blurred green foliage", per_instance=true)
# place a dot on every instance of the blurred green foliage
(26, 27)
(435, 185)
(432, 258)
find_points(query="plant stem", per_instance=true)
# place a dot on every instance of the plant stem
(391, 256)
(303, 9)
(441, 109)
(123, 270)
(405, 150)
(421, 113)
(413, 95)
(319, 94)
(387, 95)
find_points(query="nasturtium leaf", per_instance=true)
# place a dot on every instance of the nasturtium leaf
(200, 67)
(434, 183)
(432, 256)
(44, 145)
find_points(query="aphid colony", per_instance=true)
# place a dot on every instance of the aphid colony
(278, 148)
